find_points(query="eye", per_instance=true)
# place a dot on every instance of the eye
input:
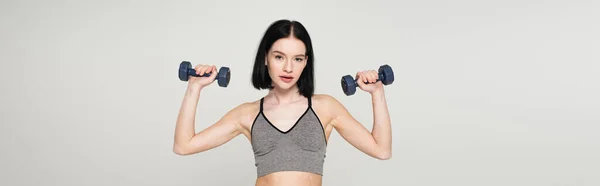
(278, 57)
(299, 59)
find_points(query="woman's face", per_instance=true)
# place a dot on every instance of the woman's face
(286, 60)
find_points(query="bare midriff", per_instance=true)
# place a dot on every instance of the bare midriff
(290, 178)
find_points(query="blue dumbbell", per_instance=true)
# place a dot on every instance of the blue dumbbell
(186, 70)
(386, 76)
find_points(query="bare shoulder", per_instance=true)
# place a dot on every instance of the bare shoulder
(327, 107)
(245, 114)
(247, 107)
(326, 102)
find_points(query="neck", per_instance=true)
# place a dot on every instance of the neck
(285, 96)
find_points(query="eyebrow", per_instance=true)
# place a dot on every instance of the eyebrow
(276, 51)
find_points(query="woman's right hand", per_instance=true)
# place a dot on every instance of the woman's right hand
(200, 82)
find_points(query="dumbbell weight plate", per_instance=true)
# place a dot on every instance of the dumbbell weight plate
(223, 76)
(348, 85)
(183, 70)
(388, 74)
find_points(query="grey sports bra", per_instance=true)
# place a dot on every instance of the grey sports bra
(301, 148)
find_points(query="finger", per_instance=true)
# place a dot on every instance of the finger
(213, 70)
(358, 78)
(207, 69)
(364, 77)
(367, 76)
(202, 70)
(373, 76)
(198, 68)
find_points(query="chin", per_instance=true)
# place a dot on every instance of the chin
(285, 86)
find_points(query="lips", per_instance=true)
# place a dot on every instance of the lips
(286, 79)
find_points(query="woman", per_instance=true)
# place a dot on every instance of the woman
(289, 127)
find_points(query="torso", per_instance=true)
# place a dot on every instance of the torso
(290, 178)
(283, 118)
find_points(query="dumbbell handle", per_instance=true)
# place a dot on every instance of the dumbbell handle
(378, 79)
(192, 72)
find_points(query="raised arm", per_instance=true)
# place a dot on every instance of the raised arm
(377, 143)
(187, 141)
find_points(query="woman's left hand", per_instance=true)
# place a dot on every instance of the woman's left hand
(369, 76)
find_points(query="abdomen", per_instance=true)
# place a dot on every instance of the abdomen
(290, 178)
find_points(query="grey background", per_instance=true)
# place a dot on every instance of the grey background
(486, 93)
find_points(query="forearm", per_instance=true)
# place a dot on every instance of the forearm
(185, 126)
(382, 132)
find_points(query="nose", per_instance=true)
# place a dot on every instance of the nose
(287, 67)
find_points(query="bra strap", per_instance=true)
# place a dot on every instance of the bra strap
(261, 103)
